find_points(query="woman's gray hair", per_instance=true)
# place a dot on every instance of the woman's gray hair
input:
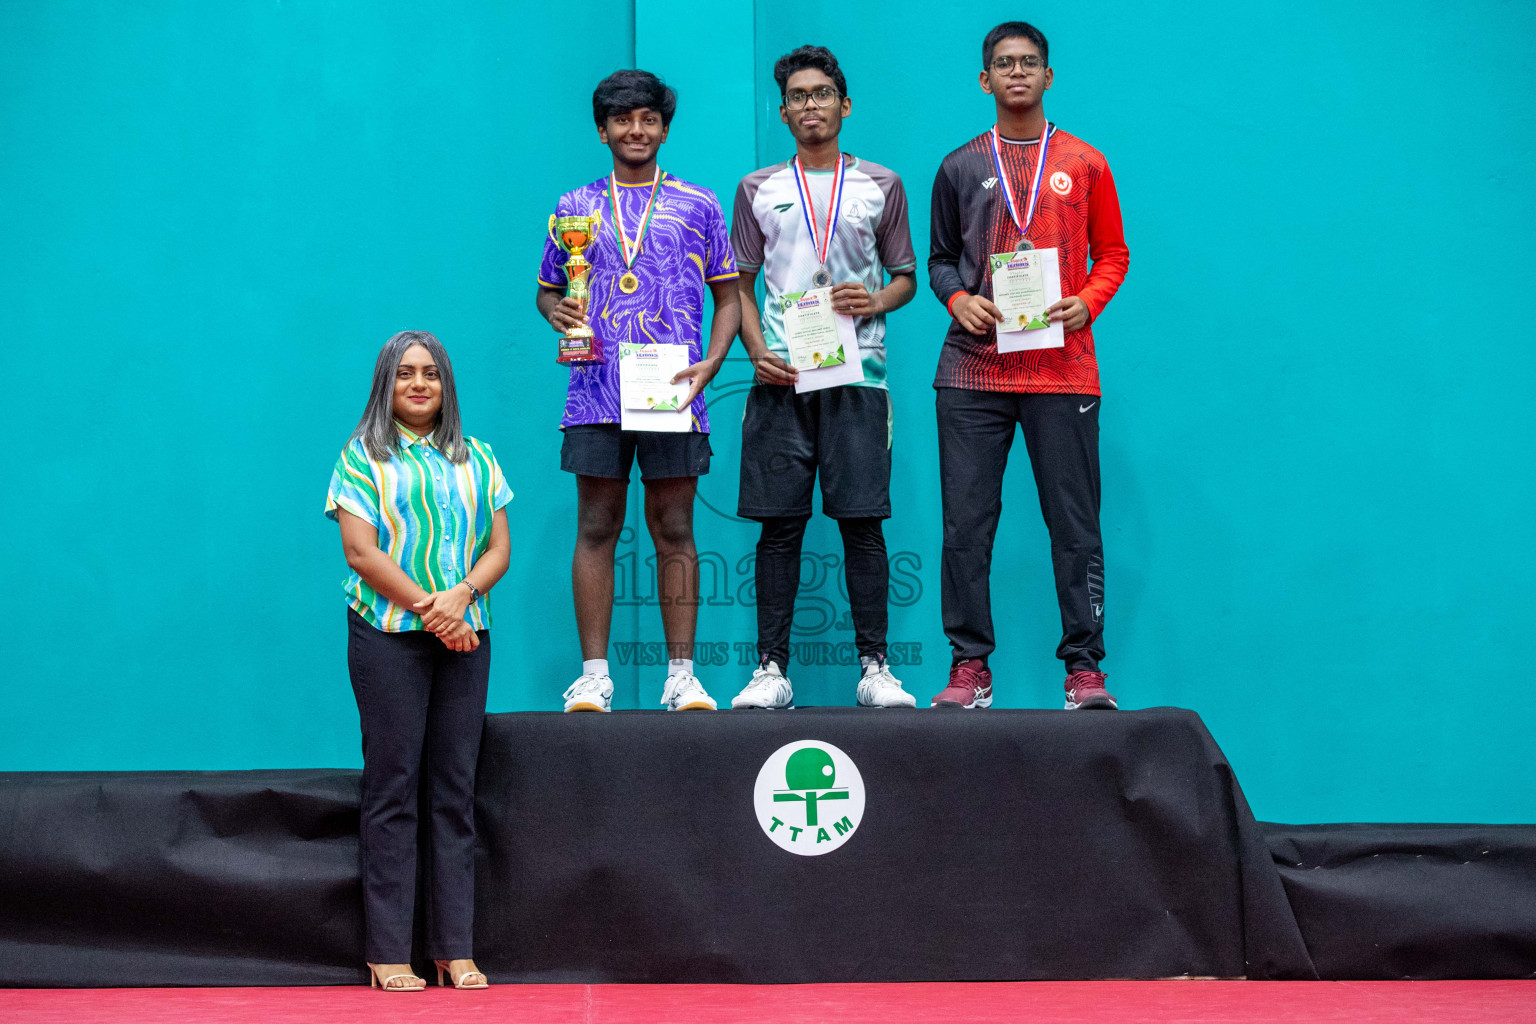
(377, 429)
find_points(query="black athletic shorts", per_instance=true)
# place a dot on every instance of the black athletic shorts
(843, 433)
(602, 449)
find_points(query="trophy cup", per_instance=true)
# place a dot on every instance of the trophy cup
(578, 346)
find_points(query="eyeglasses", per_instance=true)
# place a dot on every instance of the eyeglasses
(798, 98)
(1028, 64)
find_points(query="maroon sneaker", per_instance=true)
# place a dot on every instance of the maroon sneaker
(970, 686)
(1085, 691)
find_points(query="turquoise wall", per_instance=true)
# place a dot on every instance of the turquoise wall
(1318, 382)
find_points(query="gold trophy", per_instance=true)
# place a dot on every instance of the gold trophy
(578, 346)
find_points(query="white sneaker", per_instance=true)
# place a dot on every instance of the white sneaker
(879, 689)
(589, 693)
(768, 689)
(684, 692)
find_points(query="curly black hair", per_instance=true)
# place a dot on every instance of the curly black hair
(802, 57)
(631, 89)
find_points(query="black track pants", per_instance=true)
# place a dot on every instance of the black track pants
(866, 572)
(1061, 434)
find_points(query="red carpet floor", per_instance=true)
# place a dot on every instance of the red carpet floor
(1122, 1002)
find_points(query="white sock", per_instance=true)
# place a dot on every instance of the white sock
(677, 665)
(595, 667)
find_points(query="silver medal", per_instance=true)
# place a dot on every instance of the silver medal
(822, 278)
(1025, 245)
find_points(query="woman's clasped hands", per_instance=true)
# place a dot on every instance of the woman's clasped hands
(442, 613)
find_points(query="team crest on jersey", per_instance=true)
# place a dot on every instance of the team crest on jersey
(854, 210)
(1061, 183)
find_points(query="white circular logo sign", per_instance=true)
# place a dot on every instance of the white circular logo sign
(809, 797)
(1061, 183)
(854, 210)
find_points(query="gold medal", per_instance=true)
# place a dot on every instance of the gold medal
(628, 282)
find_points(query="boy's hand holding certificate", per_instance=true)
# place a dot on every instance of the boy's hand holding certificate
(1024, 284)
(823, 344)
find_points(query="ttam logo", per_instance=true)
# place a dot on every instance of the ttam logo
(809, 797)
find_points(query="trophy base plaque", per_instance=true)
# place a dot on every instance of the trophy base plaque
(580, 351)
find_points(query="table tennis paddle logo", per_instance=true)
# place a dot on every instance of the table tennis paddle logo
(809, 797)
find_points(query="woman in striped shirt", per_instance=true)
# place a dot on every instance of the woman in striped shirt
(424, 529)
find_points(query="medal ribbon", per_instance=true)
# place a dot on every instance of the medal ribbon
(1034, 187)
(632, 250)
(822, 243)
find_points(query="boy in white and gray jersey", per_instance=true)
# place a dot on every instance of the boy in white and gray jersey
(824, 218)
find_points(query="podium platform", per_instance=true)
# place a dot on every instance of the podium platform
(991, 846)
(656, 847)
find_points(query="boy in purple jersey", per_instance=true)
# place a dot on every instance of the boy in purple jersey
(655, 294)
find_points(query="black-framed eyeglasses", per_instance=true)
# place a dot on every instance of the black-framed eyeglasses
(1028, 64)
(822, 96)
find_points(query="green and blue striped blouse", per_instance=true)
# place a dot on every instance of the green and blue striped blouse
(433, 518)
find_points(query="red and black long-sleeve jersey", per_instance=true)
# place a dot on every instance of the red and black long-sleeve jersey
(1078, 213)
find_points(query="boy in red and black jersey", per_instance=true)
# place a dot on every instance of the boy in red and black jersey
(1053, 393)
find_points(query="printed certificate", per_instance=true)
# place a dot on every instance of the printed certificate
(823, 345)
(811, 330)
(1024, 285)
(649, 398)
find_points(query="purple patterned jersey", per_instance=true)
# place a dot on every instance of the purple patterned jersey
(687, 247)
